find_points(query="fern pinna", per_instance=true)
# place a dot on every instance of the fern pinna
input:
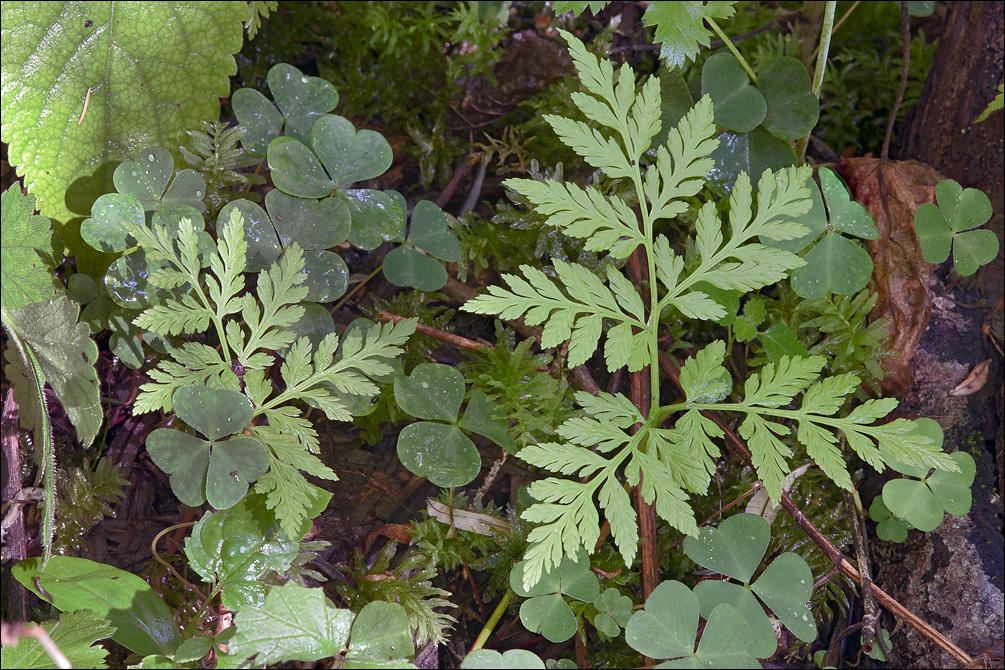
(672, 454)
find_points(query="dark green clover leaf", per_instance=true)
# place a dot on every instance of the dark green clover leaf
(793, 110)
(514, 659)
(349, 155)
(950, 226)
(238, 548)
(752, 152)
(888, 527)
(836, 264)
(314, 225)
(441, 452)
(377, 217)
(547, 612)
(922, 502)
(667, 627)
(735, 549)
(296, 170)
(407, 266)
(147, 179)
(301, 101)
(613, 612)
(737, 105)
(212, 470)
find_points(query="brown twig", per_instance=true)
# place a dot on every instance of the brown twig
(862, 556)
(825, 545)
(441, 335)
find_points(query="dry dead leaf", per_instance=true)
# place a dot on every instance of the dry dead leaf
(975, 380)
(483, 524)
(901, 275)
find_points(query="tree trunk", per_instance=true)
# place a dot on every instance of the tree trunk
(953, 576)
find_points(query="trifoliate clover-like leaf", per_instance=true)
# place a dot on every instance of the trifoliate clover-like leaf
(792, 109)
(951, 224)
(738, 105)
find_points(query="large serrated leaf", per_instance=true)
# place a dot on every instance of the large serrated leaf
(146, 72)
(26, 252)
(291, 624)
(66, 354)
(74, 633)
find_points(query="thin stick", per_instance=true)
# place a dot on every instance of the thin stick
(729, 45)
(862, 555)
(87, 101)
(441, 335)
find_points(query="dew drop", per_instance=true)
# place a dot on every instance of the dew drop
(198, 194)
(425, 385)
(133, 173)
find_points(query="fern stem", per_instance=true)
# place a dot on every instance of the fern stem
(492, 622)
(729, 45)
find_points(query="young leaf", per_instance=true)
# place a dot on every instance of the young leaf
(680, 28)
(237, 549)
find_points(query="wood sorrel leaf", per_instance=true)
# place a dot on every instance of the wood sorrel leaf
(738, 105)
(734, 549)
(349, 155)
(792, 109)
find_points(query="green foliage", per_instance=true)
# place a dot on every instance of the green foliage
(142, 621)
(214, 469)
(235, 550)
(58, 349)
(951, 224)
(836, 263)
(509, 374)
(996, 103)
(260, 9)
(408, 584)
(492, 659)
(323, 375)
(613, 612)
(122, 94)
(546, 612)
(214, 154)
(27, 252)
(409, 264)
(291, 623)
(441, 452)
(667, 627)
(669, 462)
(74, 633)
(919, 502)
(735, 549)
(84, 497)
(836, 327)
